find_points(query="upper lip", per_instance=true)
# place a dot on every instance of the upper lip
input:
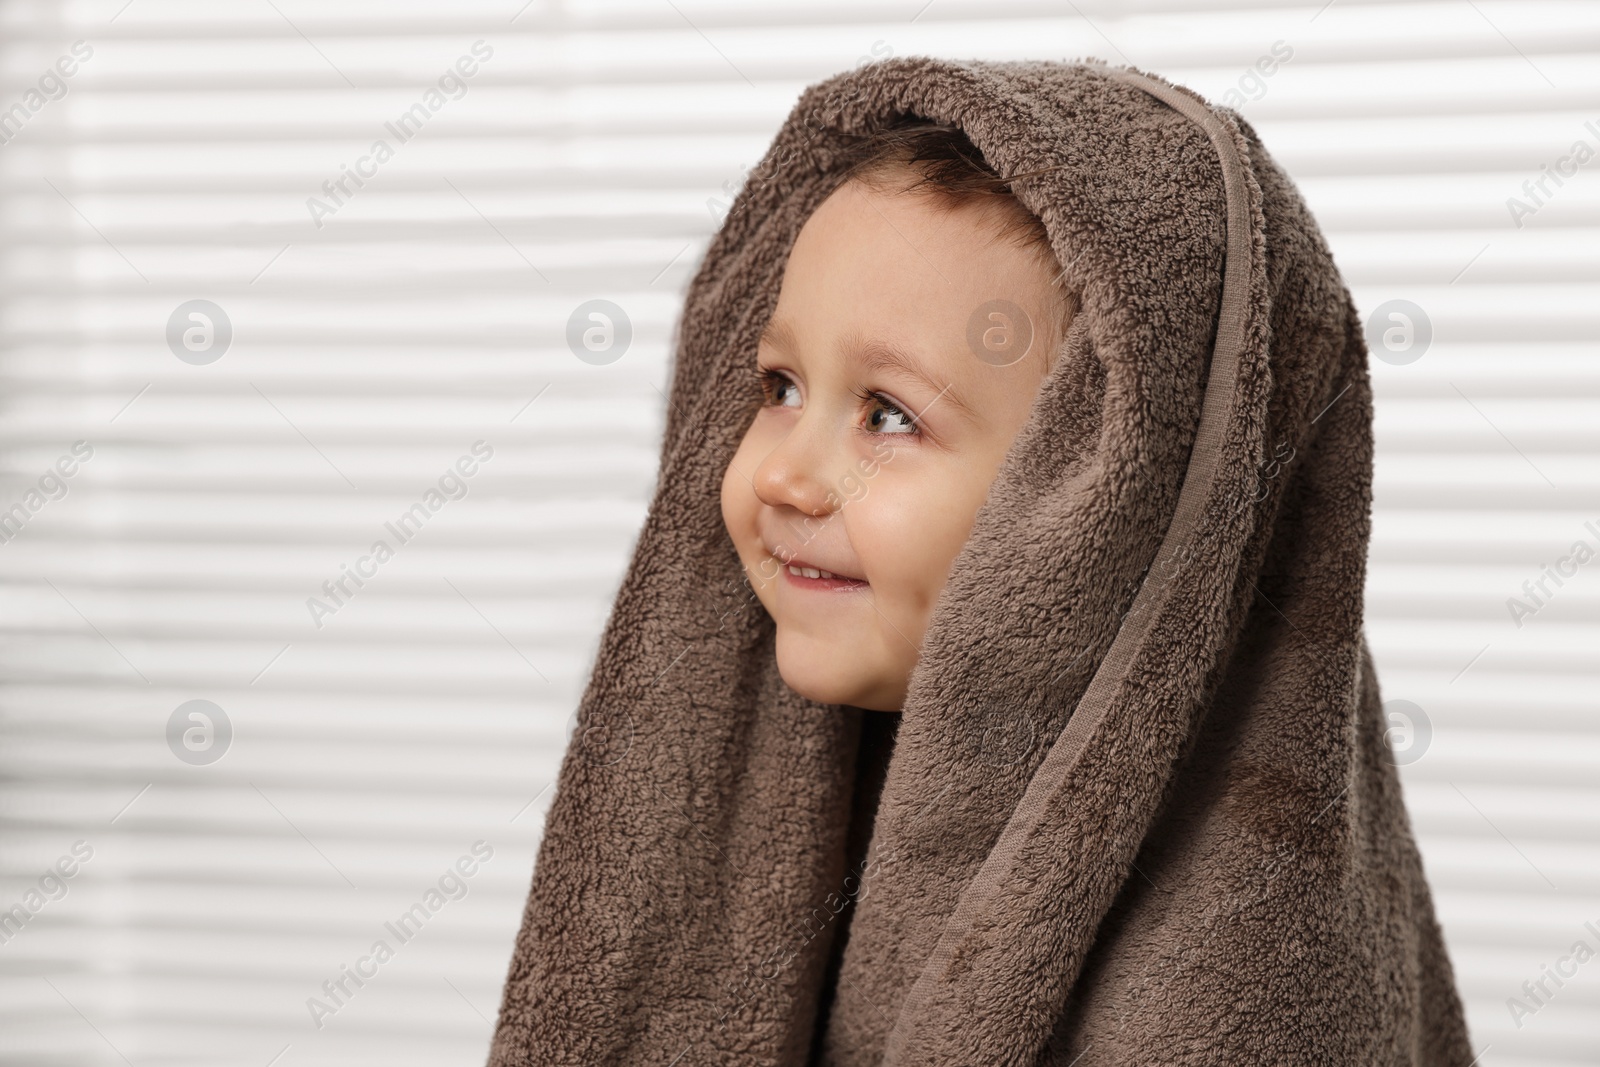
(798, 562)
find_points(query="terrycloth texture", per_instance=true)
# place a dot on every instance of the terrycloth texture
(878, 730)
(1139, 809)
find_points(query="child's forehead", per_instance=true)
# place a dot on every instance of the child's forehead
(903, 284)
(920, 246)
(935, 342)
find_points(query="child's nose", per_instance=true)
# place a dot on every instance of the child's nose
(794, 474)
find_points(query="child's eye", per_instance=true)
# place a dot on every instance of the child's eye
(776, 389)
(886, 417)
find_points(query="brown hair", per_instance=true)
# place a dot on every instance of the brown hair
(949, 168)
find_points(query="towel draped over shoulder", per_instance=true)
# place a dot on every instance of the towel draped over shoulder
(1140, 807)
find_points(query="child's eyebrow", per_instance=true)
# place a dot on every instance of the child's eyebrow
(876, 354)
(885, 355)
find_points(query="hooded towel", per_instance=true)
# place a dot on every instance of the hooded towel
(1140, 807)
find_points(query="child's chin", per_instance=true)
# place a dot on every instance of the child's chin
(812, 671)
(826, 675)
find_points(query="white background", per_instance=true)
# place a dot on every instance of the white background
(429, 312)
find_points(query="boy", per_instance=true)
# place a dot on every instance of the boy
(1027, 335)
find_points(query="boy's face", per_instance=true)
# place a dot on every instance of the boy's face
(881, 490)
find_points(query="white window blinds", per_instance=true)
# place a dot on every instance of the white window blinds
(284, 282)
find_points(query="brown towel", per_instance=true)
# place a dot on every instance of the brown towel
(1188, 844)
(878, 730)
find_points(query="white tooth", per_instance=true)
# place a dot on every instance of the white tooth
(826, 574)
(811, 572)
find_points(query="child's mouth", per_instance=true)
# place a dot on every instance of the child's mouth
(814, 578)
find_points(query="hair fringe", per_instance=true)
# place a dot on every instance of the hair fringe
(950, 168)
